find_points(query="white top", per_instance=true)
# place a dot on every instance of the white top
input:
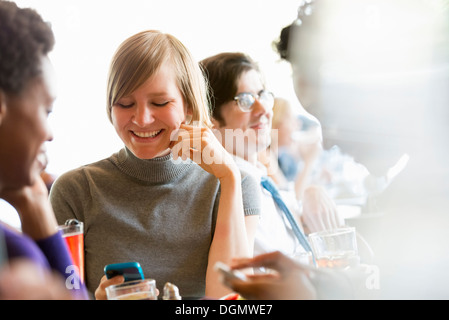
(274, 231)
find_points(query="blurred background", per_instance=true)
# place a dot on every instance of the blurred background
(376, 77)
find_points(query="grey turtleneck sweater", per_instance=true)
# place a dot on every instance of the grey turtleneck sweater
(158, 212)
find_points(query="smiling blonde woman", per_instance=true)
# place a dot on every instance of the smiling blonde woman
(177, 218)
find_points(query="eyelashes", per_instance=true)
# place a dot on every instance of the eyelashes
(125, 106)
(130, 105)
(160, 104)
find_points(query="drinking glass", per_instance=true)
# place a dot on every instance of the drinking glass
(73, 233)
(302, 257)
(133, 290)
(335, 248)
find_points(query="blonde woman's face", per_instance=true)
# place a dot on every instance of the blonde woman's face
(145, 119)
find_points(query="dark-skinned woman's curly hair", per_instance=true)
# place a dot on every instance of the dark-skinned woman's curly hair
(24, 39)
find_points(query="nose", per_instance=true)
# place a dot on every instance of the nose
(50, 135)
(142, 115)
(262, 108)
(48, 132)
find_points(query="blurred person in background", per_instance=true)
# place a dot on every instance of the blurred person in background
(291, 163)
(298, 145)
(242, 113)
(378, 98)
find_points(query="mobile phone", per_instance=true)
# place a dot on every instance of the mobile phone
(228, 272)
(129, 270)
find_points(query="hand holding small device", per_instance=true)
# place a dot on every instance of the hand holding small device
(228, 272)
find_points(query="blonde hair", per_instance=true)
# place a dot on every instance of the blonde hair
(140, 56)
(281, 109)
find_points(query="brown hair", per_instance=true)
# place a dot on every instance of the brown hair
(223, 72)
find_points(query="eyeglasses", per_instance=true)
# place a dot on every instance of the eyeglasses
(245, 100)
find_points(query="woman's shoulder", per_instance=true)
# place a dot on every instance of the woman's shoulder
(249, 179)
(78, 176)
(251, 193)
(102, 164)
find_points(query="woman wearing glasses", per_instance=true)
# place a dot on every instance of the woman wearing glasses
(242, 113)
(176, 218)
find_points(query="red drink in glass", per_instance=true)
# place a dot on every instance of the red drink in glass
(75, 242)
(74, 237)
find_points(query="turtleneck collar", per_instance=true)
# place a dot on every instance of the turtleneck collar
(156, 170)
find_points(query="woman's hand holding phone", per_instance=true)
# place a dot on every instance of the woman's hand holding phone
(100, 292)
(116, 274)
